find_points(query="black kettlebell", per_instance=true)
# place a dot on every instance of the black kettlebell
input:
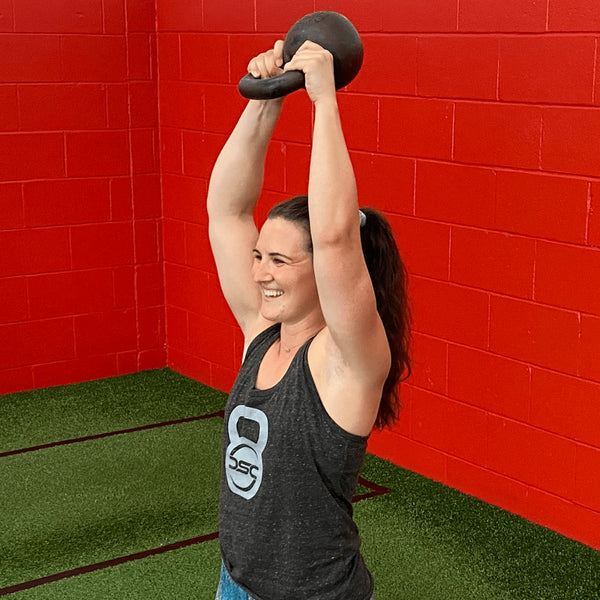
(332, 31)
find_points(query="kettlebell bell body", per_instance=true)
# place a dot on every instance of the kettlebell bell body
(329, 29)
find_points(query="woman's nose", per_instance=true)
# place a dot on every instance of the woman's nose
(261, 271)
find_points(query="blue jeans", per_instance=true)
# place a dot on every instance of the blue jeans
(230, 590)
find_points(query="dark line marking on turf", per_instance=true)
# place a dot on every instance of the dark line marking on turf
(105, 564)
(376, 490)
(99, 436)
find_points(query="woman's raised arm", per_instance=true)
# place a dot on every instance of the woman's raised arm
(345, 290)
(235, 185)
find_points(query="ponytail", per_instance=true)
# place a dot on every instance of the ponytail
(389, 279)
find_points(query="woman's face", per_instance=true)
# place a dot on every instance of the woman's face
(283, 268)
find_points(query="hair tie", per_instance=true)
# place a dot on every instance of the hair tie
(362, 217)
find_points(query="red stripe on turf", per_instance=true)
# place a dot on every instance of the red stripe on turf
(98, 436)
(376, 490)
(105, 564)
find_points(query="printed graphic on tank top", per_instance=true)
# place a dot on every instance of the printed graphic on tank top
(243, 457)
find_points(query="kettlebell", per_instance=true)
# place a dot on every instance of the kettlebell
(329, 29)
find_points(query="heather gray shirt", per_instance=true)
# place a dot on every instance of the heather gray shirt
(288, 474)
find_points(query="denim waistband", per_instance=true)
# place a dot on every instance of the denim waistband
(229, 590)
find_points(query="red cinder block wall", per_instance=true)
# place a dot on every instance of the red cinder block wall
(81, 282)
(474, 124)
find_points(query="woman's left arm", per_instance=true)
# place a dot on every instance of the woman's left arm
(343, 282)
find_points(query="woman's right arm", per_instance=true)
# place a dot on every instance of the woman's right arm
(234, 189)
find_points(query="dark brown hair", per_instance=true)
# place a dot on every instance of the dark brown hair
(389, 279)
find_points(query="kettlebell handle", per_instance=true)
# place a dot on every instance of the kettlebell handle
(274, 87)
(329, 29)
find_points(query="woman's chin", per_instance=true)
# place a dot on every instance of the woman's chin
(270, 315)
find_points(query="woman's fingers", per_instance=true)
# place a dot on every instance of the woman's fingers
(267, 64)
(278, 53)
(317, 64)
(311, 57)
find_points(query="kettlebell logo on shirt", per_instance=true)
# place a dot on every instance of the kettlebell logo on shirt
(243, 458)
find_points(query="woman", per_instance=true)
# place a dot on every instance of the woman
(325, 346)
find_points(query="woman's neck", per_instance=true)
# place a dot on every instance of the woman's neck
(292, 336)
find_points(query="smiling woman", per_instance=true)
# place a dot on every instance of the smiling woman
(319, 294)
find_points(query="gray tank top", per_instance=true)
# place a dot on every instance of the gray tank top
(288, 474)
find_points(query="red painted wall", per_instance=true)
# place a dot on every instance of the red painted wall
(473, 124)
(80, 251)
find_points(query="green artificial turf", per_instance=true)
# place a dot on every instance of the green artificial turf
(84, 503)
(71, 411)
(188, 574)
(425, 541)
(79, 504)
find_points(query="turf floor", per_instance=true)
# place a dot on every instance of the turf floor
(109, 489)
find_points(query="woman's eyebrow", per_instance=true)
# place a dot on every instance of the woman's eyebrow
(278, 254)
(273, 254)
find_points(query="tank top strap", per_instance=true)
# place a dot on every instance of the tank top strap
(260, 344)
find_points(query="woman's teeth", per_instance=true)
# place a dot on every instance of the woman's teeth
(273, 293)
